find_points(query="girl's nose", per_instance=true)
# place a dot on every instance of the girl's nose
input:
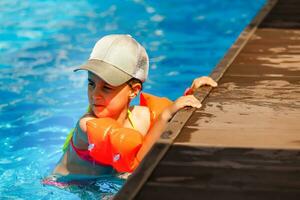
(97, 91)
(97, 99)
(97, 95)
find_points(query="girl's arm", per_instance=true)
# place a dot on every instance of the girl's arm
(161, 123)
(157, 129)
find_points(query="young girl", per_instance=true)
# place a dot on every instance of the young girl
(117, 68)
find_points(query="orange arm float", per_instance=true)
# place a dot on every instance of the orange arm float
(112, 144)
(155, 104)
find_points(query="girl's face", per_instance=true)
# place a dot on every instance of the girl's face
(106, 100)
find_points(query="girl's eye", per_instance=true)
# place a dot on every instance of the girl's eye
(91, 84)
(107, 88)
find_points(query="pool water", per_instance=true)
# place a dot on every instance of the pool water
(41, 98)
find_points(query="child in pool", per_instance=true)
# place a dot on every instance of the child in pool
(117, 68)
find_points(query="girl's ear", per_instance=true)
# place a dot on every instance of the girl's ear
(135, 89)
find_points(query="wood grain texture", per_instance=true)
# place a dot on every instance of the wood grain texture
(225, 173)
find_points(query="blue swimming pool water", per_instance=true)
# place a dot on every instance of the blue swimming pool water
(41, 98)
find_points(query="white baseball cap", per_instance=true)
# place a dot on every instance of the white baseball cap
(117, 59)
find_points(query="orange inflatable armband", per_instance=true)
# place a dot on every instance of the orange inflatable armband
(110, 144)
(155, 104)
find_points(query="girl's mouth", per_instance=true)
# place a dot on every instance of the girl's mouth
(98, 105)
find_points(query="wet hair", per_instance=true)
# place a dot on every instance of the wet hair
(133, 81)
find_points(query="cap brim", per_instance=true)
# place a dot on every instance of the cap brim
(106, 71)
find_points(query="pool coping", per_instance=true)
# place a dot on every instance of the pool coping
(145, 169)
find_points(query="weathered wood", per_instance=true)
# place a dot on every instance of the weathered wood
(285, 14)
(225, 173)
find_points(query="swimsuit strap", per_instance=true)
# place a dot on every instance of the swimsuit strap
(130, 118)
(67, 141)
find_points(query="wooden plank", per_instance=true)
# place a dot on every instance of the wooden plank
(241, 137)
(276, 93)
(285, 14)
(179, 193)
(271, 33)
(286, 49)
(262, 42)
(287, 2)
(237, 112)
(277, 66)
(222, 173)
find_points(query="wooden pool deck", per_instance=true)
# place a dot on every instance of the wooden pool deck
(245, 141)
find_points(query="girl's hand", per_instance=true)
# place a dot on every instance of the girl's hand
(204, 80)
(181, 102)
(198, 82)
(188, 99)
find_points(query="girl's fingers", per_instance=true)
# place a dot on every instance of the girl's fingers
(195, 105)
(191, 100)
(205, 80)
(211, 82)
